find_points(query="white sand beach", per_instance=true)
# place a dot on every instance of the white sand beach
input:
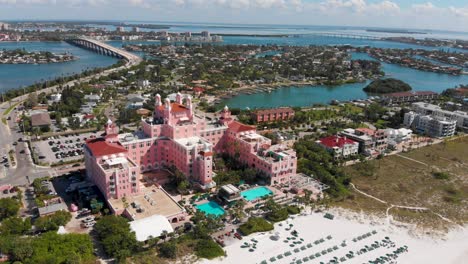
(422, 248)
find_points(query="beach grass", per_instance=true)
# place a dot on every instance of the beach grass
(404, 182)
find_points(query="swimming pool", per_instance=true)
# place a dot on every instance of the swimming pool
(256, 193)
(211, 208)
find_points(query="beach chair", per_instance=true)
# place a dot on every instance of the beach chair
(263, 262)
(280, 256)
(296, 250)
(303, 248)
(309, 245)
(329, 237)
(272, 259)
(305, 259)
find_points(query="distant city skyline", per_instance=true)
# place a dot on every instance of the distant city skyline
(417, 14)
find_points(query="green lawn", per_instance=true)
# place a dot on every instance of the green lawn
(9, 109)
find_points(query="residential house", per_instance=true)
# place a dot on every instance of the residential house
(340, 147)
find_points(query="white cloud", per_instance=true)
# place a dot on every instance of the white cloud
(357, 7)
(320, 12)
(459, 12)
(427, 7)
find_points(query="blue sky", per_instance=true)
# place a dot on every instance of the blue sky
(423, 14)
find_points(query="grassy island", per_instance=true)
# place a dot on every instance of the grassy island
(390, 85)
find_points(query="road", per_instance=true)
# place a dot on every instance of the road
(10, 133)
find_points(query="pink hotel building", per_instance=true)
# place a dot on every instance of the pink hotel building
(175, 135)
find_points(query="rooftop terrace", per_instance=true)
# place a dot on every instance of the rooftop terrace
(153, 201)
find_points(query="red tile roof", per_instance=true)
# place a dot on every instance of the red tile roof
(206, 154)
(239, 127)
(175, 107)
(178, 107)
(336, 141)
(100, 147)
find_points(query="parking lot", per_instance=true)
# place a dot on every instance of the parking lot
(61, 148)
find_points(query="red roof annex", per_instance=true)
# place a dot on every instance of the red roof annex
(100, 147)
(335, 141)
(239, 127)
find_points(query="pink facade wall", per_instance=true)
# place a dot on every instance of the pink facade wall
(176, 121)
(113, 183)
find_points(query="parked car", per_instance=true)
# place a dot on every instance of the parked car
(88, 219)
(89, 224)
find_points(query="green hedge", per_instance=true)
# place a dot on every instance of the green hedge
(256, 224)
(207, 248)
(292, 209)
(278, 215)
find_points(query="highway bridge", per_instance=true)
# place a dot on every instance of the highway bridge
(342, 35)
(105, 49)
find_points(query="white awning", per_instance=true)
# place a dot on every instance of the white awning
(150, 226)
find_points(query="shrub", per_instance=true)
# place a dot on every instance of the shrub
(52, 222)
(8, 207)
(116, 237)
(453, 195)
(278, 215)
(15, 226)
(256, 224)
(48, 248)
(292, 209)
(168, 250)
(207, 248)
(441, 175)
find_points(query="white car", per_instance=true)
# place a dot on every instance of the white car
(89, 224)
(88, 219)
